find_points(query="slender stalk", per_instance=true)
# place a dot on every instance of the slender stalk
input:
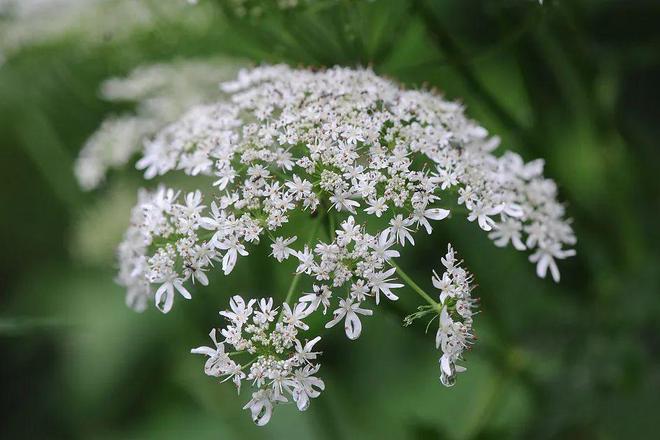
(292, 288)
(331, 225)
(247, 365)
(296, 277)
(415, 287)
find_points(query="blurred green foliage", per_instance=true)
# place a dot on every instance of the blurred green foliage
(574, 82)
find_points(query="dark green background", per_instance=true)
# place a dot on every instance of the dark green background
(574, 82)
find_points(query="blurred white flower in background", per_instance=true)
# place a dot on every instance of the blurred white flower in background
(29, 22)
(161, 92)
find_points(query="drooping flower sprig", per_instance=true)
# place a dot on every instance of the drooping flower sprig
(455, 333)
(375, 162)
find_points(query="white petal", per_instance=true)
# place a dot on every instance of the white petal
(335, 320)
(436, 213)
(445, 365)
(182, 290)
(542, 267)
(554, 270)
(165, 297)
(302, 400)
(229, 261)
(388, 293)
(208, 351)
(353, 326)
(202, 278)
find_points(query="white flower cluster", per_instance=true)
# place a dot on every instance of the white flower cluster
(281, 366)
(162, 93)
(346, 140)
(169, 229)
(339, 147)
(455, 331)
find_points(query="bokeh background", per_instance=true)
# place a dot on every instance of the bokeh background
(573, 81)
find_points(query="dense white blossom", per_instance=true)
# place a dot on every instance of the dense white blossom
(346, 142)
(373, 164)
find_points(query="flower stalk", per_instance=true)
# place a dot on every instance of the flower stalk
(415, 287)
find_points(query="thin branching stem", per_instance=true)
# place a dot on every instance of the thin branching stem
(414, 286)
(296, 277)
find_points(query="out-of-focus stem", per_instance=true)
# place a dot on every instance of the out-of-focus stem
(445, 42)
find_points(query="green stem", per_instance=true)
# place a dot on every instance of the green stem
(415, 287)
(331, 225)
(296, 277)
(249, 363)
(292, 288)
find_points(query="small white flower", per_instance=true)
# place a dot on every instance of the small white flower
(341, 201)
(483, 214)
(298, 187)
(382, 247)
(381, 283)
(376, 206)
(544, 257)
(233, 248)
(261, 405)
(399, 227)
(349, 311)
(218, 361)
(296, 315)
(265, 314)
(306, 261)
(421, 216)
(508, 231)
(306, 386)
(240, 311)
(349, 231)
(320, 297)
(359, 290)
(304, 354)
(165, 293)
(281, 250)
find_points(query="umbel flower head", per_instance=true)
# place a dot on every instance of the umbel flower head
(341, 147)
